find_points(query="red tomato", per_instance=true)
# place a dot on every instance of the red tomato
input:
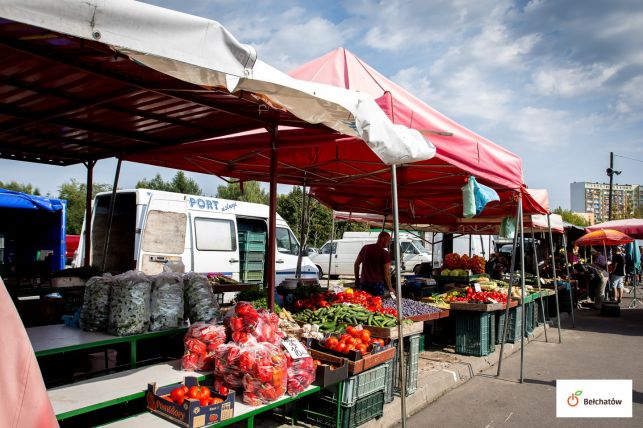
(205, 392)
(363, 348)
(216, 400)
(178, 395)
(331, 342)
(223, 390)
(366, 336)
(204, 401)
(185, 389)
(195, 392)
(341, 347)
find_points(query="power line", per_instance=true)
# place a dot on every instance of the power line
(621, 156)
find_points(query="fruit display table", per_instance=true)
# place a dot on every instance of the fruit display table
(59, 338)
(87, 396)
(242, 412)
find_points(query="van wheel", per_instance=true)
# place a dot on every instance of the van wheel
(334, 277)
(416, 269)
(320, 273)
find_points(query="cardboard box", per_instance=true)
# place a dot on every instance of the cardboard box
(190, 414)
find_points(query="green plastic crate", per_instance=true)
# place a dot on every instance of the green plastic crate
(252, 266)
(388, 387)
(515, 325)
(252, 276)
(529, 318)
(253, 256)
(358, 386)
(245, 246)
(412, 362)
(248, 236)
(474, 332)
(323, 412)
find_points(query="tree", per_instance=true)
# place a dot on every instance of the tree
(318, 219)
(75, 193)
(252, 192)
(179, 184)
(19, 187)
(571, 217)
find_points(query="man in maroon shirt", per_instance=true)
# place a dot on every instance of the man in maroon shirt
(376, 267)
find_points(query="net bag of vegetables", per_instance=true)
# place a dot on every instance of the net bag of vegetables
(129, 304)
(167, 305)
(199, 298)
(94, 315)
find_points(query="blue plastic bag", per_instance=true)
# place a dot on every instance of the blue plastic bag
(475, 197)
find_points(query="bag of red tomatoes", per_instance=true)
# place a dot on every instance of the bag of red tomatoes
(201, 341)
(264, 368)
(226, 365)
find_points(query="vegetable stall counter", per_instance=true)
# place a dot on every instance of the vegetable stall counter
(242, 412)
(59, 338)
(87, 396)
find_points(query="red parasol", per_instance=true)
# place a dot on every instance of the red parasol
(630, 226)
(604, 237)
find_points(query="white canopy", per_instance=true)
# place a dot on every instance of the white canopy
(203, 52)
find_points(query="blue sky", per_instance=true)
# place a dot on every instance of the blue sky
(560, 83)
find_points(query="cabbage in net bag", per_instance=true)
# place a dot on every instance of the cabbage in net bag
(94, 315)
(199, 298)
(167, 305)
(129, 305)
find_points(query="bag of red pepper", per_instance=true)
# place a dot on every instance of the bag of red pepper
(264, 367)
(244, 321)
(301, 373)
(227, 365)
(201, 340)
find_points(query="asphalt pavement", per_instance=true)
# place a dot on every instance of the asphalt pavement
(598, 348)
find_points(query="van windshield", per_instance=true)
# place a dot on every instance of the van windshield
(286, 242)
(420, 248)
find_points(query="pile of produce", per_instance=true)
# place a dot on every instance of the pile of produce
(216, 278)
(329, 319)
(199, 298)
(437, 301)
(129, 304)
(457, 265)
(201, 341)
(288, 325)
(167, 304)
(94, 315)
(324, 300)
(202, 393)
(301, 373)
(471, 296)
(410, 308)
(355, 339)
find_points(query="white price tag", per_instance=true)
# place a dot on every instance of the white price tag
(295, 349)
(476, 286)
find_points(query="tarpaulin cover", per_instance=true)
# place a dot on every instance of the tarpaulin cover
(12, 199)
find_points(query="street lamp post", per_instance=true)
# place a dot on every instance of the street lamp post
(610, 173)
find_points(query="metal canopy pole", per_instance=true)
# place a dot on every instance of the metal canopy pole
(272, 220)
(398, 291)
(302, 234)
(542, 301)
(522, 291)
(432, 252)
(330, 251)
(469, 245)
(88, 211)
(110, 218)
(569, 278)
(553, 267)
(503, 339)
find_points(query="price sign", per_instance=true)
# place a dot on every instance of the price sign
(295, 349)
(476, 286)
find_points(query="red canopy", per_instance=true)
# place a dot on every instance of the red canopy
(346, 165)
(631, 226)
(456, 145)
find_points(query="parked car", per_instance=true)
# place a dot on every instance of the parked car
(72, 246)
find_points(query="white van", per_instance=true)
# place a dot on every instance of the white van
(344, 252)
(151, 228)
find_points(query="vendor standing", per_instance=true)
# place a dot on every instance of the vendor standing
(375, 261)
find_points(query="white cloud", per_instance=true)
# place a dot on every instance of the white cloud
(495, 46)
(572, 81)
